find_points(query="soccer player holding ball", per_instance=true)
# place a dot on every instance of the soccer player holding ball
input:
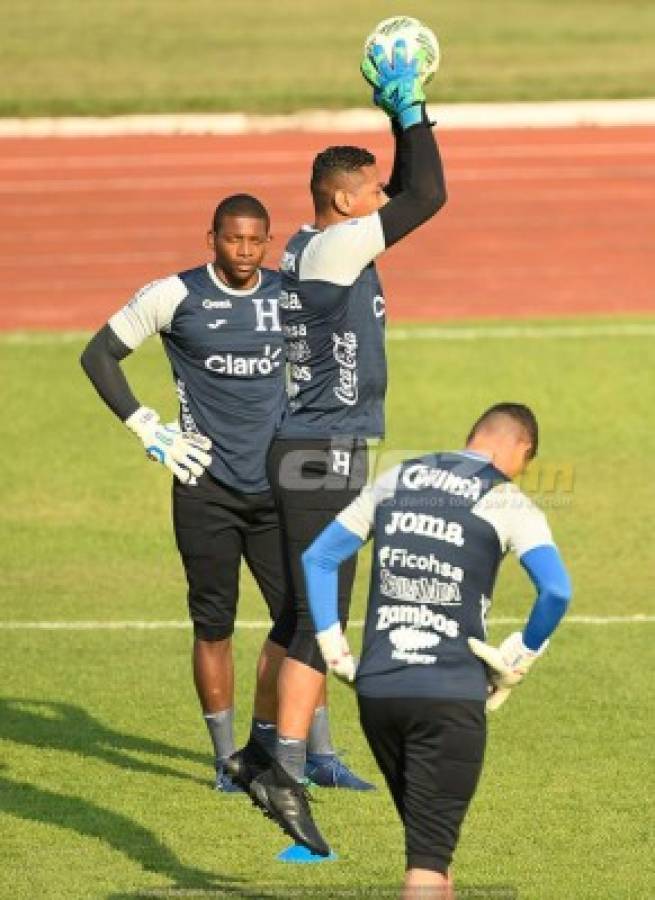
(440, 524)
(333, 317)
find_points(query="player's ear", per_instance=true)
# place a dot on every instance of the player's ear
(342, 201)
(211, 240)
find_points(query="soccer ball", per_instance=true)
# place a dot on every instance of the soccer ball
(416, 35)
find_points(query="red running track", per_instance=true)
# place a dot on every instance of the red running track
(539, 222)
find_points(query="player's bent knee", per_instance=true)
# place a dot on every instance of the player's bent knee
(205, 632)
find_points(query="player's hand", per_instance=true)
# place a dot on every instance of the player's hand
(397, 85)
(508, 665)
(183, 452)
(336, 653)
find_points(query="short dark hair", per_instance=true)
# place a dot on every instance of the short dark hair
(240, 205)
(519, 413)
(335, 160)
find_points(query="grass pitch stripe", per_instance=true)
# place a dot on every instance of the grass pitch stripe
(522, 332)
(256, 624)
(426, 333)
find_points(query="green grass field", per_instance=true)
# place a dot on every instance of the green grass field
(88, 57)
(104, 764)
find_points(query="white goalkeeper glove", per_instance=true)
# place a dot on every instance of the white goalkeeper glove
(509, 664)
(183, 452)
(336, 653)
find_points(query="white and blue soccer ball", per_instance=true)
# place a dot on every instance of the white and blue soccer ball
(416, 35)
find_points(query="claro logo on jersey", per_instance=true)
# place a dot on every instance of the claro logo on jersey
(420, 476)
(426, 526)
(245, 366)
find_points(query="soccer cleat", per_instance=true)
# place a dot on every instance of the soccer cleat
(224, 783)
(246, 764)
(286, 802)
(328, 770)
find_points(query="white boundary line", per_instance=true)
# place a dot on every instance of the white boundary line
(546, 114)
(253, 625)
(427, 333)
(521, 332)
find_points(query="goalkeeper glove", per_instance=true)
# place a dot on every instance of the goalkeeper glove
(397, 85)
(508, 663)
(336, 653)
(183, 452)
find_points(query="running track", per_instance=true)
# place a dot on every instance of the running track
(539, 222)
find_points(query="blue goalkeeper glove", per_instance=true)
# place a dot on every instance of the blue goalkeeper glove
(397, 86)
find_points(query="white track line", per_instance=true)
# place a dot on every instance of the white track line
(521, 332)
(548, 114)
(255, 625)
(428, 333)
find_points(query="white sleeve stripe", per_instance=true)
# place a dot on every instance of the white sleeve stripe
(150, 310)
(518, 522)
(359, 516)
(338, 254)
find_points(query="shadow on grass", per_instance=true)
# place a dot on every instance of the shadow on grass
(25, 801)
(62, 726)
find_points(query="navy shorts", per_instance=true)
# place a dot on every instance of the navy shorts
(215, 528)
(430, 752)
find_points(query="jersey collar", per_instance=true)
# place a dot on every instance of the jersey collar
(235, 292)
(472, 455)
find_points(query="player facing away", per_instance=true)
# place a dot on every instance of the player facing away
(220, 327)
(440, 524)
(333, 317)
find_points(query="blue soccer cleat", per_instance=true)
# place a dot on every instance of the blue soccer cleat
(224, 784)
(329, 770)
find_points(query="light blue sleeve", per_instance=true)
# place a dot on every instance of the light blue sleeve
(321, 561)
(545, 567)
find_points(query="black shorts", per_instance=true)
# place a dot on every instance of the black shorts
(215, 526)
(430, 752)
(312, 481)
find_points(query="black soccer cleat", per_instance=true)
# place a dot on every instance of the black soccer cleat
(286, 802)
(247, 763)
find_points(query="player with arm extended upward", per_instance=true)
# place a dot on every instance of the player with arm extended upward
(220, 327)
(441, 525)
(332, 310)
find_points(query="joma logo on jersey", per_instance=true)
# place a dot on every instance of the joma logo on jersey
(421, 476)
(426, 526)
(245, 366)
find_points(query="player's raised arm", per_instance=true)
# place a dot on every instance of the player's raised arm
(416, 187)
(185, 454)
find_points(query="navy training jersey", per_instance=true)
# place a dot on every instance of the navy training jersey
(333, 319)
(441, 525)
(226, 351)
